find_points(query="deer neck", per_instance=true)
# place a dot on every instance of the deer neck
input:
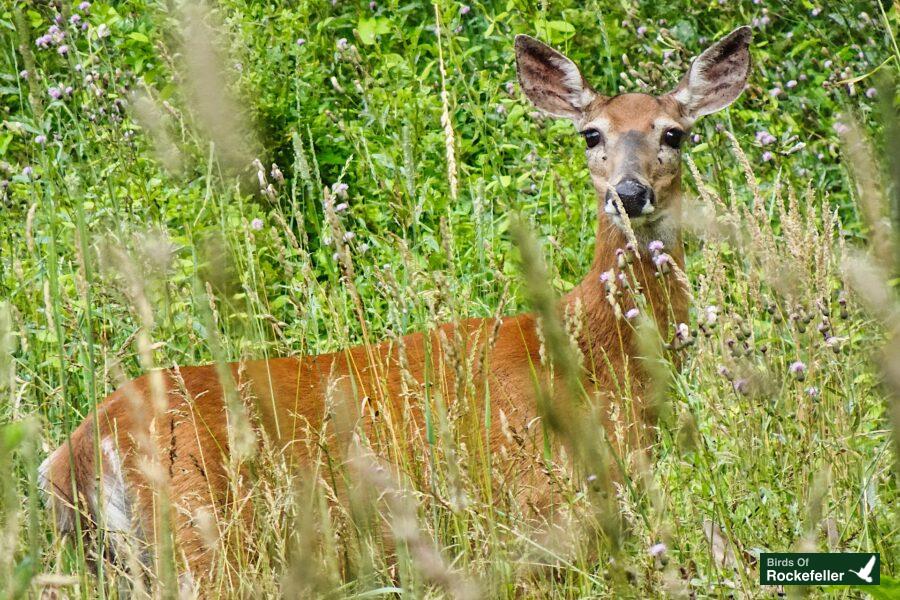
(605, 333)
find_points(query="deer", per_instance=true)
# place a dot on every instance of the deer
(633, 147)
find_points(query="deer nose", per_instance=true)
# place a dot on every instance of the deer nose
(634, 196)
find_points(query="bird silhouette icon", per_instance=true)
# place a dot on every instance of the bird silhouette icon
(866, 572)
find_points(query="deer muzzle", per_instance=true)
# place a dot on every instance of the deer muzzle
(637, 198)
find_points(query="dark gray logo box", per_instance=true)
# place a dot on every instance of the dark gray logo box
(825, 568)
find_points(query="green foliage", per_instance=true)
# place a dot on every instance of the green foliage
(103, 206)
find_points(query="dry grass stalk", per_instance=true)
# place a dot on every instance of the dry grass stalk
(446, 120)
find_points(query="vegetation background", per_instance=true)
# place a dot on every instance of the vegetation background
(131, 209)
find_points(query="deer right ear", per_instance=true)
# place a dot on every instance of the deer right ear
(550, 80)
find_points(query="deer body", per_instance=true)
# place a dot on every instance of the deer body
(189, 436)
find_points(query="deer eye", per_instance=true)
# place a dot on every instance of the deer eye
(592, 137)
(673, 137)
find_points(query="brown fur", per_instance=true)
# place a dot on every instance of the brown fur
(189, 438)
(192, 438)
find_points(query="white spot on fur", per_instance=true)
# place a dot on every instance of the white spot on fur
(655, 225)
(62, 512)
(683, 96)
(43, 472)
(602, 125)
(116, 507)
(581, 95)
(664, 123)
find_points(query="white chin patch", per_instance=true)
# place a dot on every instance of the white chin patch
(610, 208)
(649, 214)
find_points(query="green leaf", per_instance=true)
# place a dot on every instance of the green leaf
(5, 139)
(562, 27)
(11, 436)
(889, 589)
(369, 28)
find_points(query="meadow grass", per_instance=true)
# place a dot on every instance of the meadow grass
(183, 186)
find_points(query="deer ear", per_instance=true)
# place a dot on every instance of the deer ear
(717, 77)
(550, 80)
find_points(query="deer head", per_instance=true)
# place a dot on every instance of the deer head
(634, 141)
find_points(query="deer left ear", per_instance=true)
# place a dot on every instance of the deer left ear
(717, 77)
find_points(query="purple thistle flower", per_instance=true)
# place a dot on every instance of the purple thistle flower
(43, 41)
(464, 9)
(604, 277)
(695, 138)
(56, 34)
(349, 235)
(841, 128)
(741, 386)
(23, 74)
(657, 549)
(55, 93)
(40, 139)
(342, 44)
(765, 138)
(75, 19)
(27, 171)
(641, 31)
(103, 30)
(662, 259)
(812, 391)
(256, 224)
(69, 90)
(341, 207)
(300, 41)
(373, 5)
(797, 367)
(84, 6)
(791, 84)
(827, 64)
(815, 12)
(340, 189)
(767, 156)
(62, 50)
(632, 313)
(655, 246)
(775, 92)
(871, 92)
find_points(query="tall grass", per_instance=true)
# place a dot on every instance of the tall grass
(150, 238)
